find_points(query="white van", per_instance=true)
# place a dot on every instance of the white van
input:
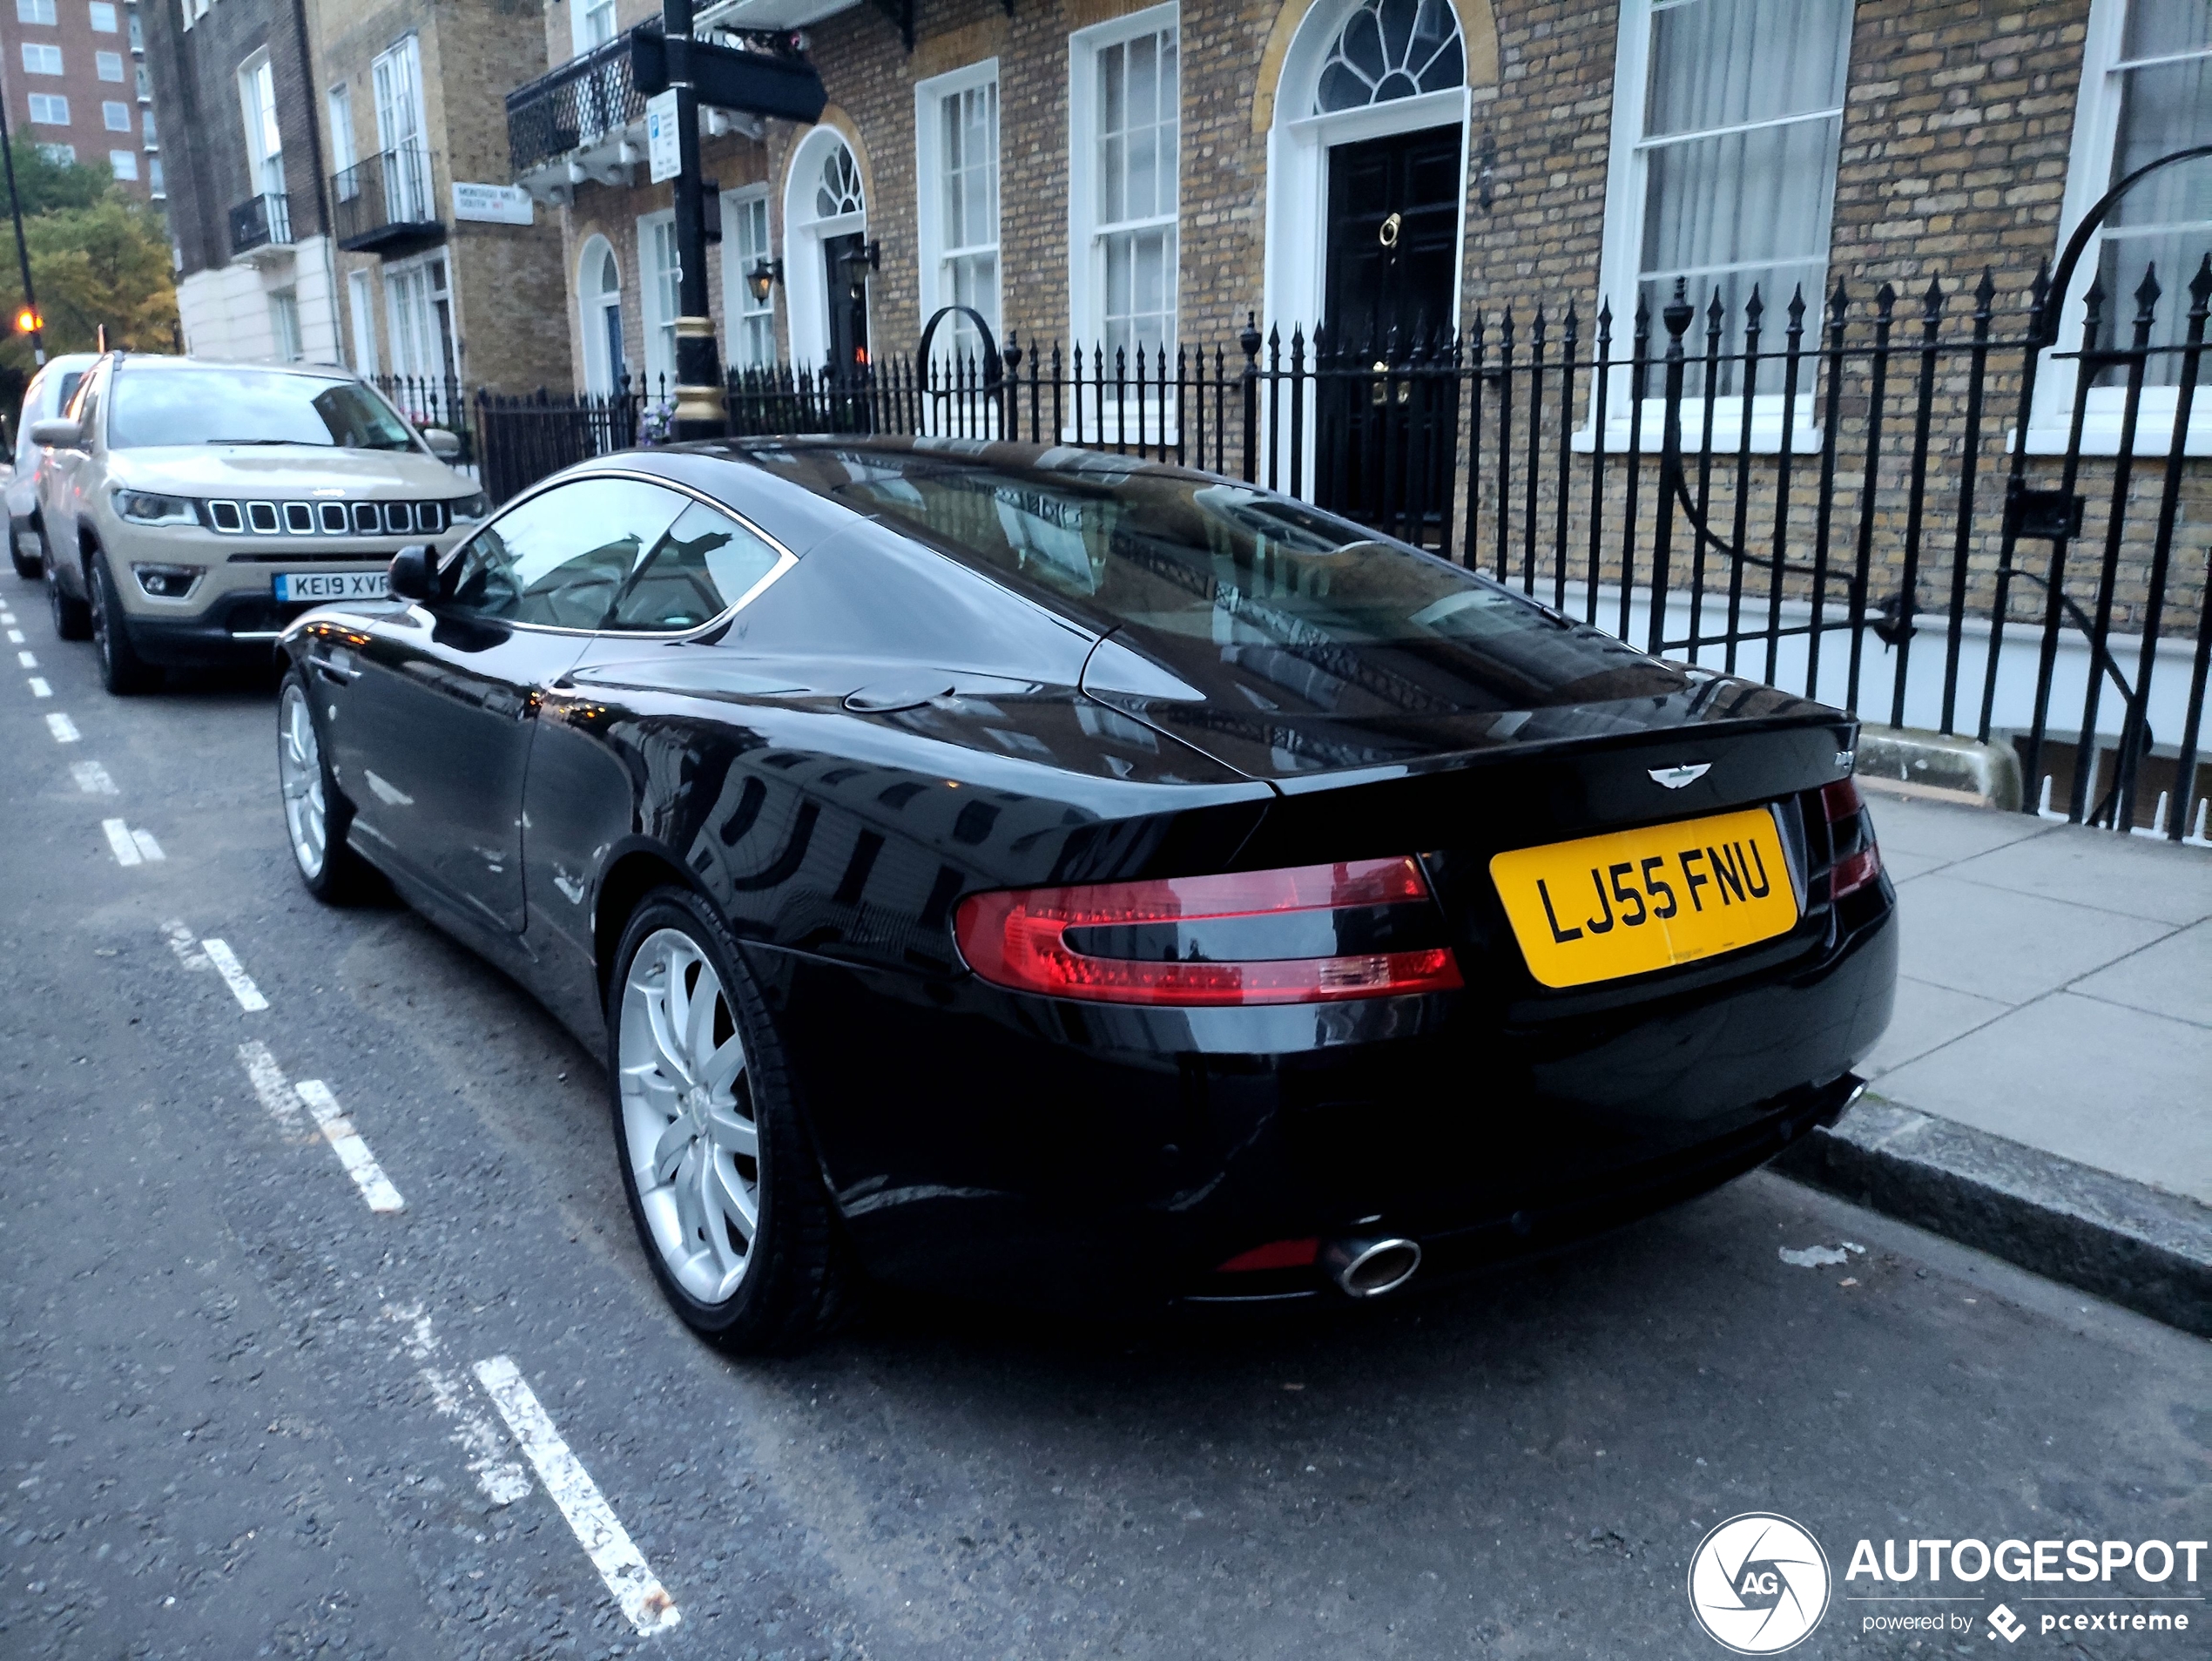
(48, 394)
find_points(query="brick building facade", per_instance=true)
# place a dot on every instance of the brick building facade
(434, 282)
(75, 78)
(247, 211)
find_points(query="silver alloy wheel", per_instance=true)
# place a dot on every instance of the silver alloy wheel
(687, 1118)
(307, 816)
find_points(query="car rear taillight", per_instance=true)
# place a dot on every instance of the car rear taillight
(1858, 860)
(1312, 934)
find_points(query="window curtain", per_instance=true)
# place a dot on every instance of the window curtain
(1138, 115)
(2166, 221)
(968, 123)
(1739, 151)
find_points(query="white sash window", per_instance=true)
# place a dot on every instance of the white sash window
(1728, 115)
(1126, 102)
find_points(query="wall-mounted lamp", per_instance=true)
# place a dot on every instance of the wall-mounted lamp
(763, 277)
(869, 254)
(1489, 168)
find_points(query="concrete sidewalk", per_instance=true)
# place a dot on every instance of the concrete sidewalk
(2045, 1089)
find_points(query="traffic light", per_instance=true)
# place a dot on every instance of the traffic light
(28, 322)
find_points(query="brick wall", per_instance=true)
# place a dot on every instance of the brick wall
(505, 280)
(1954, 146)
(203, 124)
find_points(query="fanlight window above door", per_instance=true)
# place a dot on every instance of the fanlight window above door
(839, 190)
(1389, 49)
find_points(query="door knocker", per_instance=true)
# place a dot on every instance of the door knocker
(1388, 234)
(1379, 395)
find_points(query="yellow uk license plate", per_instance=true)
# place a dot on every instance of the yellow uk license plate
(1630, 902)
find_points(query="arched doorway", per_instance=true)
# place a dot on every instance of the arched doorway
(599, 294)
(1369, 142)
(826, 229)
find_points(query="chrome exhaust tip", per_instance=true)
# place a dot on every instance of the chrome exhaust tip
(1370, 1268)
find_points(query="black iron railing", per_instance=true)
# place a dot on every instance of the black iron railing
(575, 105)
(261, 222)
(1927, 507)
(387, 203)
(433, 400)
(523, 438)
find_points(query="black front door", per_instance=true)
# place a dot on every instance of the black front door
(1385, 446)
(851, 370)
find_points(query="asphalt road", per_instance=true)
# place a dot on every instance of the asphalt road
(241, 1412)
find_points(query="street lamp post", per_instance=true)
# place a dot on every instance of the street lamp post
(700, 411)
(36, 331)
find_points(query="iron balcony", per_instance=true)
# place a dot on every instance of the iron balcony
(586, 103)
(388, 203)
(261, 222)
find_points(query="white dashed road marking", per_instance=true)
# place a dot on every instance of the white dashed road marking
(502, 1479)
(39, 688)
(63, 728)
(119, 838)
(28, 659)
(619, 1563)
(283, 1100)
(132, 846)
(91, 779)
(241, 984)
(15, 637)
(352, 1152)
(182, 942)
(268, 1081)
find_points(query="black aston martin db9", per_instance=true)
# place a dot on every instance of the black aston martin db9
(1043, 874)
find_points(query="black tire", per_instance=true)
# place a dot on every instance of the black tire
(792, 1288)
(29, 567)
(72, 618)
(343, 878)
(122, 671)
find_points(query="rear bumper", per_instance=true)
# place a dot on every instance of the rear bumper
(1075, 1156)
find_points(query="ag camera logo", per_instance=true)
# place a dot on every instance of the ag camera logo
(1758, 1584)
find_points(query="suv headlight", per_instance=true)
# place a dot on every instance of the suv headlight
(166, 582)
(144, 507)
(469, 507)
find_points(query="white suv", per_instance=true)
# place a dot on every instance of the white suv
(47, 395)
(190, 511)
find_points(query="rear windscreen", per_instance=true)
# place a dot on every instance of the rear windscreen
(1168, 554)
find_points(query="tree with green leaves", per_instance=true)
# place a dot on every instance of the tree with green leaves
(98, 255)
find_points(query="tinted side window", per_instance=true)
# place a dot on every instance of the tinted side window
(82, 407)
(706, 564)
(33, 411)
(560, 558)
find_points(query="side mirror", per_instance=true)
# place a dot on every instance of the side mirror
(57, 432)
(443, 444)
(414, 575)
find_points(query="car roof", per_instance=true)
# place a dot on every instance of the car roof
(136, 360)
(1006, 453)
